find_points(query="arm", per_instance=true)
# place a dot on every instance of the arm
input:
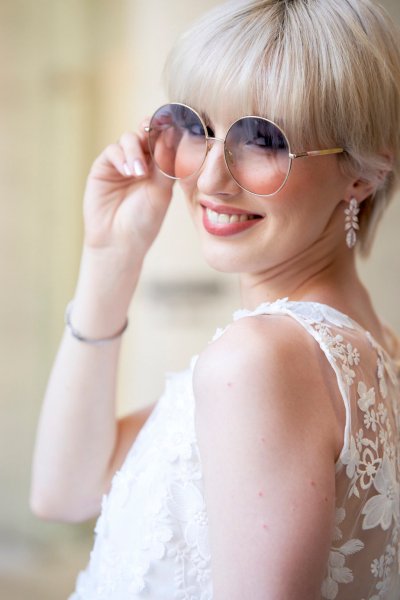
(79, 442)
(268, 439)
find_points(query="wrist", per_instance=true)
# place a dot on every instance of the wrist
(103, 293)
(113, 262)
(80, 336)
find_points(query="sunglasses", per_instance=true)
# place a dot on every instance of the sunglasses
(257, 151)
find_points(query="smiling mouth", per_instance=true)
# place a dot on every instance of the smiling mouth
(225, 218)
(232, 223)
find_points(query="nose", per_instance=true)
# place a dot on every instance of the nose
(215, 178)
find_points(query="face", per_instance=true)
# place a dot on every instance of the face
(244, 233)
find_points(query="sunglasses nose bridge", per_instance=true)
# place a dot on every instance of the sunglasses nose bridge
(211, 139)
(227, 153)
(210, 143)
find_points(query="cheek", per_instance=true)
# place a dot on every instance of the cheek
(314, 187)
(185, 166)
(321, 175)
(188, 158)
(259, 172)
(299, 211)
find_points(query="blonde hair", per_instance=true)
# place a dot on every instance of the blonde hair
(327, 71)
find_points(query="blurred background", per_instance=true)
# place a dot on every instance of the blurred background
(74, 76)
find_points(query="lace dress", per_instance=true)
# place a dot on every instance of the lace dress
(151, 539)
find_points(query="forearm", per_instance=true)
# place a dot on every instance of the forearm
(77, 430)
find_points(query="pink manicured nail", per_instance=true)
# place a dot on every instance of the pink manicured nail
(138, 167)
(127, 170)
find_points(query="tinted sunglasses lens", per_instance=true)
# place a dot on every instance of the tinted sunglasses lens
(177, 140)
(257, 154)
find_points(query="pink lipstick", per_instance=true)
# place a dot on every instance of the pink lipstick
(224, 221)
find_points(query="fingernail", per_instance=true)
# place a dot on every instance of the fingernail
(138, 168)
(127, 170)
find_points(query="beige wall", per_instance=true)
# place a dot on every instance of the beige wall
(74, 75)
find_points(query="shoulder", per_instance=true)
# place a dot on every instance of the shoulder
(273, 350)
(265, 440)
(257, 334)
(269, 367)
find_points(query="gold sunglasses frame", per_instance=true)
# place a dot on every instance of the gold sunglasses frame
(208, 138)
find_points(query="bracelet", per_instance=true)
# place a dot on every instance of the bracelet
(82, 338)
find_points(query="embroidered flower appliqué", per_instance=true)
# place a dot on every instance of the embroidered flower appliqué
(337, 571)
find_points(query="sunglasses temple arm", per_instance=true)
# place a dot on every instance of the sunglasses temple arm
(316, 153)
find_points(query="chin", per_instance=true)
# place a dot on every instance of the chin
(220, 261)
(224, 262)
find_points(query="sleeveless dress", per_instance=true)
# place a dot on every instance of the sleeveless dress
(151, 538)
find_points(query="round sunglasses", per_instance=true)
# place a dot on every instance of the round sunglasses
(257, 151)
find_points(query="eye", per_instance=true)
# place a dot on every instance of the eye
(260, 141)
(195, 129)
(267, 142)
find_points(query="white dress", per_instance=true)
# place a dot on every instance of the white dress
(151, 538)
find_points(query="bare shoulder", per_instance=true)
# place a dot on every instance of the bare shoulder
(260, 333)
(268, 356)
(269, 367)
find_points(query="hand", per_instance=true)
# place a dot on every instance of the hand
(126, 198)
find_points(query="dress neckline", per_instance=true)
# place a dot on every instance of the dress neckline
(345, 318)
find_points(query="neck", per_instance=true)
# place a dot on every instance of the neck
(331, 278)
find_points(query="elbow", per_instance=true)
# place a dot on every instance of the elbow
(60, 510)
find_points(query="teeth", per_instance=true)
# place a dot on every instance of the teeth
(215, 217)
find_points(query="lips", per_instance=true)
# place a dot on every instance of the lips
(228, 210)
(222, 220)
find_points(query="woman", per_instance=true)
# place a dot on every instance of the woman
(269, 468)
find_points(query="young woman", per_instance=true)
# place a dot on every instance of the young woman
(270, 468)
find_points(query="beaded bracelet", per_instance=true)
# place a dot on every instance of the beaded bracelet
(82, 338)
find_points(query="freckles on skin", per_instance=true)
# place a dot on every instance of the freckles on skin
(314, 485)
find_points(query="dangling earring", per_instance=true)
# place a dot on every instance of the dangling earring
(351, 223)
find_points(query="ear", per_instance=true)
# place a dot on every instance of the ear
(361, 189)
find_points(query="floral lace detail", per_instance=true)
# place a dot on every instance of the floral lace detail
(370, 463)
(155, 513)
(364, 458)
(337, 572)
(382, 568)
(152, 533)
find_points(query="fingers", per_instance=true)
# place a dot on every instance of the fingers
(127, 155)
(135, 163)
(113, 156)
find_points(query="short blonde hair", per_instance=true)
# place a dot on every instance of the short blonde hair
(327, 71)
